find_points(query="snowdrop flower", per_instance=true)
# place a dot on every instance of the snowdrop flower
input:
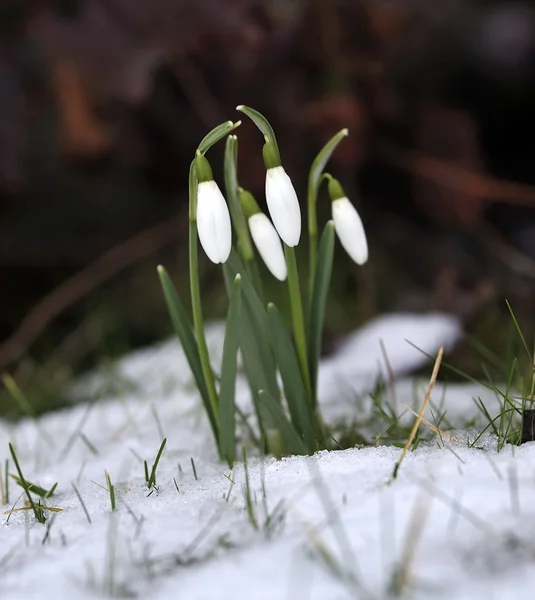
(264, 236)
(213, 217)
(281, 198)
(347, 224)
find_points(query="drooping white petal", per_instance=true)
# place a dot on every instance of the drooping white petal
(283, 205)
(213, 222)
(350, 230)
(268, 244)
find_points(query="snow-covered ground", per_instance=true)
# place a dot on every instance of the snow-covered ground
(456, 523)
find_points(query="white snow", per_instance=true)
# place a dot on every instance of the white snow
(473, 507)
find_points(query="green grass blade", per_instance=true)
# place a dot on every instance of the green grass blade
(146, 471)
(519, 331)
(17, 395)
(39, 514)
(111, 491)
(261, 122)
(184, 332)
(301, 411)
(227, 436)
(217, 134)
(28, 486)
(272, 411)
(322, 280)
(152, 478)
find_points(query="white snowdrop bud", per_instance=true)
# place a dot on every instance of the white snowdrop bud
(213, 217)
(281, 198)
(348, 224)
(264, 235)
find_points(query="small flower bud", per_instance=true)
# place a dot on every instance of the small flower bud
(213, 217)
(264, 236)
(348, 224)
(283, 205)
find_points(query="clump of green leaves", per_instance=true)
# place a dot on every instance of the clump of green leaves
(288, 420)
(36, 506)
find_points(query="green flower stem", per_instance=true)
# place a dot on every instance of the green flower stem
(312, 195)
(297, 317)
(198, 322)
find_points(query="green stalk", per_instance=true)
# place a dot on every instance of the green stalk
(297, 317)
(312, 195)
(196, 307)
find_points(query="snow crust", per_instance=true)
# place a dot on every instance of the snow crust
(458, 522)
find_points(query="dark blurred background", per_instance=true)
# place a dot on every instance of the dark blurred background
(103, 102)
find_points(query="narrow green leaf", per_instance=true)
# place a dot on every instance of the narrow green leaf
(261, 122)
(301, 410)
(258, 361)
(40, 517)
(146, 470)
(258, 329)
(321, 160)
(28, 486)
(111, 491)
(152, 478)
(17, 395)
(184, 332)
(217, 134)
(239, 221)
(519, 331)
(272, 411)
(316, 315)
(227, 436)
(253, 300)
(314, 181)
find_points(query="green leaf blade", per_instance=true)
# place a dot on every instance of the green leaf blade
(216, 135)
(320, 290)
(184, 332)
(301, 410)
(321, 160)
(272, 411)
(258, 361)
(258, 324)
(239, 221)
(261, 122)
(229, 367)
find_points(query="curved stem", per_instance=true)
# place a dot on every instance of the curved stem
(196, 307)
(297, 317)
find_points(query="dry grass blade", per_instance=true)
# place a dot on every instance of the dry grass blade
(420, 416)
(433, 428)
